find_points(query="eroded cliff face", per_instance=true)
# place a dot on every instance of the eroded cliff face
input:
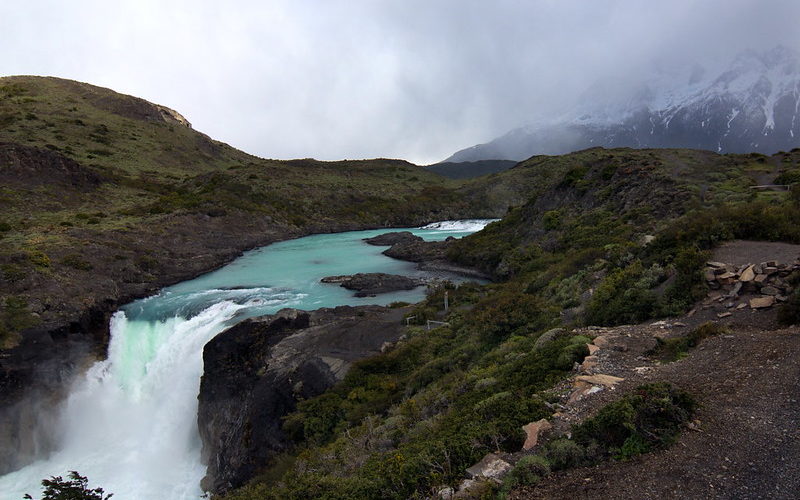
(256, 371)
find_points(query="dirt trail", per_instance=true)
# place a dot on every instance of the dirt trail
(748, 445)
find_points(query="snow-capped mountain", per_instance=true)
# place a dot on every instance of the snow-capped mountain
(752, 106)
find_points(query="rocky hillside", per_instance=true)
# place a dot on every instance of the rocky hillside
(752, 105)
(600, 238)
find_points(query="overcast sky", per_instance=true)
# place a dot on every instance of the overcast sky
(414, 79)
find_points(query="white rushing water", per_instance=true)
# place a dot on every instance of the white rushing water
(129, 424)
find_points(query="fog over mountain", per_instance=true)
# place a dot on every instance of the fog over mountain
(750, 106)
(367, 78)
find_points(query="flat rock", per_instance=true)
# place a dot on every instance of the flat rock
(490, 467)
(592, 349)
(762, 302)
(600, 379)
(748, 274)
(532, 432)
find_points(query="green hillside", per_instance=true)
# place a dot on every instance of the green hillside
(106, 196)
(600, 237)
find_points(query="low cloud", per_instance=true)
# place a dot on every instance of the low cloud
(357, 79)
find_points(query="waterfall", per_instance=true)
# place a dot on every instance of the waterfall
(129, 424)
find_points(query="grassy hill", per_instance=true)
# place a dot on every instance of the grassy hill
(106, 196)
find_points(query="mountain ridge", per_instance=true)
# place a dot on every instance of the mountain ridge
(751, 106)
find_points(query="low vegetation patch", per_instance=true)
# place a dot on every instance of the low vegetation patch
(648, 419)
(406, 421)
(677, 348)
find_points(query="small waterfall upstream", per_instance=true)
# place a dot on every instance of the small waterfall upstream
(130, 422)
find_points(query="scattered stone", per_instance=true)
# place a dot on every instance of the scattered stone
(741, 306)
(592, 349)
(747, 274)
(642, 369)
(678, 324)
(762, 302)
(760, 278)
(445, 492)
(724, 314)
(490, 467)
(600, 379)
(717, 265)
(601, 341)
(532, 432)
(769, 290)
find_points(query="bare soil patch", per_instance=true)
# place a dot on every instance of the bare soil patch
(741, 252)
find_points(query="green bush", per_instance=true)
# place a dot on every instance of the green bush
(564, 454)
(39, 258)
(527, 472)
(75, 261)
(649, 418)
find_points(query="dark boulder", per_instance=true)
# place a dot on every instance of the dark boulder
(418, 251)
(389, 239)
(366, 284)
(256, 371)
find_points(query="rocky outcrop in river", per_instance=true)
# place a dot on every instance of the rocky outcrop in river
(256, 371)
(370, 284)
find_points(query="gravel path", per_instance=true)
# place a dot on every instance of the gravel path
(740, 252)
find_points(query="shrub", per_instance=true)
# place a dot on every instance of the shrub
(676, 348)
(74, 488)
(38, 258)
(75, 261)
(649, 418)
(564, 454)
(529, 470)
